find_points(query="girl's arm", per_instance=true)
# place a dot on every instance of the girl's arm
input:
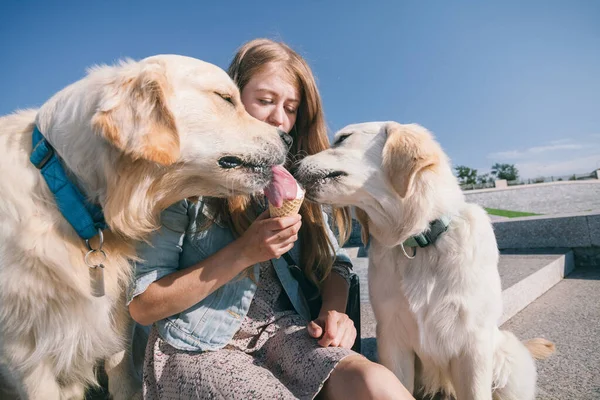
(334, 291)
(335, 287)
(333, 327)
(158, 295)
(182, 289)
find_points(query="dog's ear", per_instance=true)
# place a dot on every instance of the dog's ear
(406, 153)
(363, 219)
(134, 117)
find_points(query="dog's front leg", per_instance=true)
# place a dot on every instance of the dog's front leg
(394, 354)
(124, 381)
(472, 371)
(41, 383)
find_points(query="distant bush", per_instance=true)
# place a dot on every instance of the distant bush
(505, 171)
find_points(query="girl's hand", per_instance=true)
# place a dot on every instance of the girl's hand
(334, 329)
(269, 238)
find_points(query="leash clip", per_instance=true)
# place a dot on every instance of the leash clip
(96, 267)
(406, 254)
(101, 237)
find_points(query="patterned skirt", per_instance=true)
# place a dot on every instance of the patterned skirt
(271, 356)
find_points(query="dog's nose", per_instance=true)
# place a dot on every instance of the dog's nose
(287, 139)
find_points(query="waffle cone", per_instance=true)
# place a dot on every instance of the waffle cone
(289, 207)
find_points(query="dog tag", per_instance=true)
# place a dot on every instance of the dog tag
(97, 280)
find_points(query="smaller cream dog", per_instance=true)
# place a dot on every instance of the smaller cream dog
(134, 138)
(437, 307)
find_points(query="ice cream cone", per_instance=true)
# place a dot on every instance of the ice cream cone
(289, 207)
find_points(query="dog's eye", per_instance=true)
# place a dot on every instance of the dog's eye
(341, 139)
(226, 97)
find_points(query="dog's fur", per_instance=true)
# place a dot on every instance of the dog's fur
(135, 137)
(437, 314)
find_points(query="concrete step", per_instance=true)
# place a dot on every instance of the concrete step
(525, 276)
(569, 315)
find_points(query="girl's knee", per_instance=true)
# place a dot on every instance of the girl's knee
(375, 380)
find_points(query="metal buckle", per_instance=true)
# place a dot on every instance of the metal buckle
(423, 239)
(46, 158)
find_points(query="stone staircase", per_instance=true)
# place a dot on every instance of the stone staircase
(525, 277)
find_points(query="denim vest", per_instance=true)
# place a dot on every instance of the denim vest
(182, 242)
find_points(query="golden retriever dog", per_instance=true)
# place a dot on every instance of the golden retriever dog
(437, 307)
(134, 138)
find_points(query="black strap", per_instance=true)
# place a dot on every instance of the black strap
(288, 259)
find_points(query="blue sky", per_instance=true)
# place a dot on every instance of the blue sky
(505, 81)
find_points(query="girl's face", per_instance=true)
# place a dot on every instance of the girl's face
(270, 97)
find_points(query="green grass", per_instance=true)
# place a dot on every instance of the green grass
(509, 214)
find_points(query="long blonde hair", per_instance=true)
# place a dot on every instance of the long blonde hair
(310, 137)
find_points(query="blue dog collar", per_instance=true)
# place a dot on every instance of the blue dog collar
(86, 218)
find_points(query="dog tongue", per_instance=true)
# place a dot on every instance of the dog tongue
(282, 187)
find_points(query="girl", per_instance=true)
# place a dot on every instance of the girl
(229, 320)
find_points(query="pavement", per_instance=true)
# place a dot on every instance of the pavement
(569, 315)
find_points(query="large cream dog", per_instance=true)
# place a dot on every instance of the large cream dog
(135, 138)
(437, 313)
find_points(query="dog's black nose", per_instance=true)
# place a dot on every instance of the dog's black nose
(287, 139)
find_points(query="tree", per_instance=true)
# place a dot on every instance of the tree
(466, 175)
(505, 171)
(483, 179)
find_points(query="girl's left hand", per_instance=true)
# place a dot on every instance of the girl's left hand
(334, 329)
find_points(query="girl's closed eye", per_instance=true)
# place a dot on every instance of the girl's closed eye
(265, 101)
(291, 110)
